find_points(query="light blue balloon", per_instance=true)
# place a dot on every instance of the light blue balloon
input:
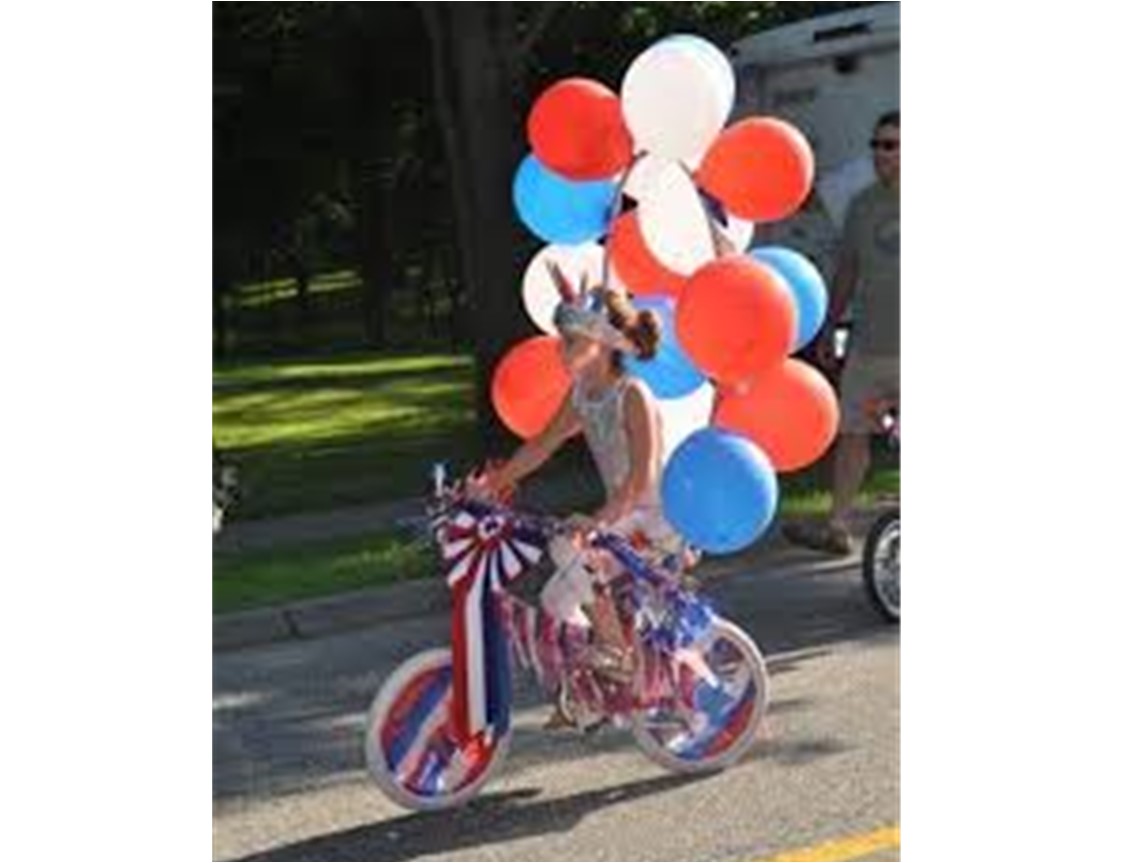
(670, 374)
(558, 210)
(719, 491)
(806, 284)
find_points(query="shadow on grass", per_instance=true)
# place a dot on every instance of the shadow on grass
(333, 372)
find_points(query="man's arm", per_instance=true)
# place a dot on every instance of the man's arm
(842, 289)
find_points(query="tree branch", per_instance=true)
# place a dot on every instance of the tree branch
(538, 24)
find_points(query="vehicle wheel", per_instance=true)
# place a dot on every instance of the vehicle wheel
(881, 564)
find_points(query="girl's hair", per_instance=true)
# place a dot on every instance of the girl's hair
(642, 328)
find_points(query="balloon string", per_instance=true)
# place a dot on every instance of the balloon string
(712, 227)
(615, 211)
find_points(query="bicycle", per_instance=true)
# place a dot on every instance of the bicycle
(440, 726)
(883, 541)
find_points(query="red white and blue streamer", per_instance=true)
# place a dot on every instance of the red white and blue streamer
(481, 555)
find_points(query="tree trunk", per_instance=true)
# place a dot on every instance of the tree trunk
(477, 74)
(375, 253)
(304, 309)
(219, 314)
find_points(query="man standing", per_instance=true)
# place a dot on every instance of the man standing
(867, 273)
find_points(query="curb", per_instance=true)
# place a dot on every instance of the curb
(331, 614)
(317, 618)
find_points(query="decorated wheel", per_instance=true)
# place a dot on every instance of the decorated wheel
(412, 753)
(720, 699)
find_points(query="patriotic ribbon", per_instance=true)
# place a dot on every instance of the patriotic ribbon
(482, 552)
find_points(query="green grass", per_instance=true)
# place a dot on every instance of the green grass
(319, 432)
(799, 500)
(254, 579)
(316, 433)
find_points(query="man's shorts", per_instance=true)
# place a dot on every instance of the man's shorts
(866, 380)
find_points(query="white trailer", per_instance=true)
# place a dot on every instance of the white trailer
(832, 77)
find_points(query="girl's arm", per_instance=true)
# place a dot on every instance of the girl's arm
(643, 431)
(531, 456)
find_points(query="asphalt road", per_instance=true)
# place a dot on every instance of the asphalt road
(821, 783)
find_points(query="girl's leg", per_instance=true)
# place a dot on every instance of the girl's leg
(612, 655)
(605, 620)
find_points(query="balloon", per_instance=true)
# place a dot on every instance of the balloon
(806, 285)
(790, 411)
(558, 210)
(735, 318)
(540, 296)
(634, 264)
(670, 373)
(529, 385)
(680, 418)
(643, 175)
(760, 168)
(717, 62)
(644, 172)
(739, 232)
(674, 223)
(577, 130)
(676, 98)
(719, 491)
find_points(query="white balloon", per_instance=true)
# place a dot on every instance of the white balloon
(680, 417)
(540, 296)
(674, 222)
(644, 174)
(676, 98)
(717, 63)
(739, 232)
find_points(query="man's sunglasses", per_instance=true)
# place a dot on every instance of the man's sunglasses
(884, 146)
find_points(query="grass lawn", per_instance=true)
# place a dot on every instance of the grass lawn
(316, 433)
(272, 577)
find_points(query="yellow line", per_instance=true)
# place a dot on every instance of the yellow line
(846, 848)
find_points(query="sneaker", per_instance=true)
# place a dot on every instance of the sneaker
(829, 538)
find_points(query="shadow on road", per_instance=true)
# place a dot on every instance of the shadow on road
(491, 818)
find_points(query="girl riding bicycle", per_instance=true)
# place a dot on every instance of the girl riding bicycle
(618, 416)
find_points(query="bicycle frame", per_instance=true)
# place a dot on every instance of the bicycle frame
(488, 546)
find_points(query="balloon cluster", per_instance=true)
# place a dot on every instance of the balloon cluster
(649, 192)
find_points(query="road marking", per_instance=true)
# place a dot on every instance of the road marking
(846, 848)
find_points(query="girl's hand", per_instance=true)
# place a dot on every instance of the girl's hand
(580, 526)
(480, 485)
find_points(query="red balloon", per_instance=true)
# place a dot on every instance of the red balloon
(760, 168)
(576, 129)
(790, 411)
(635, 264)
(529, 385)
(736, 318)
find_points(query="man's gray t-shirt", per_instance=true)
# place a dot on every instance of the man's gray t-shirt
(871, 232)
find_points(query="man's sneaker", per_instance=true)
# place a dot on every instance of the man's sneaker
(830, 538)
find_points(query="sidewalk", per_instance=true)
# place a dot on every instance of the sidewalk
(302, 528)
(358, 609)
